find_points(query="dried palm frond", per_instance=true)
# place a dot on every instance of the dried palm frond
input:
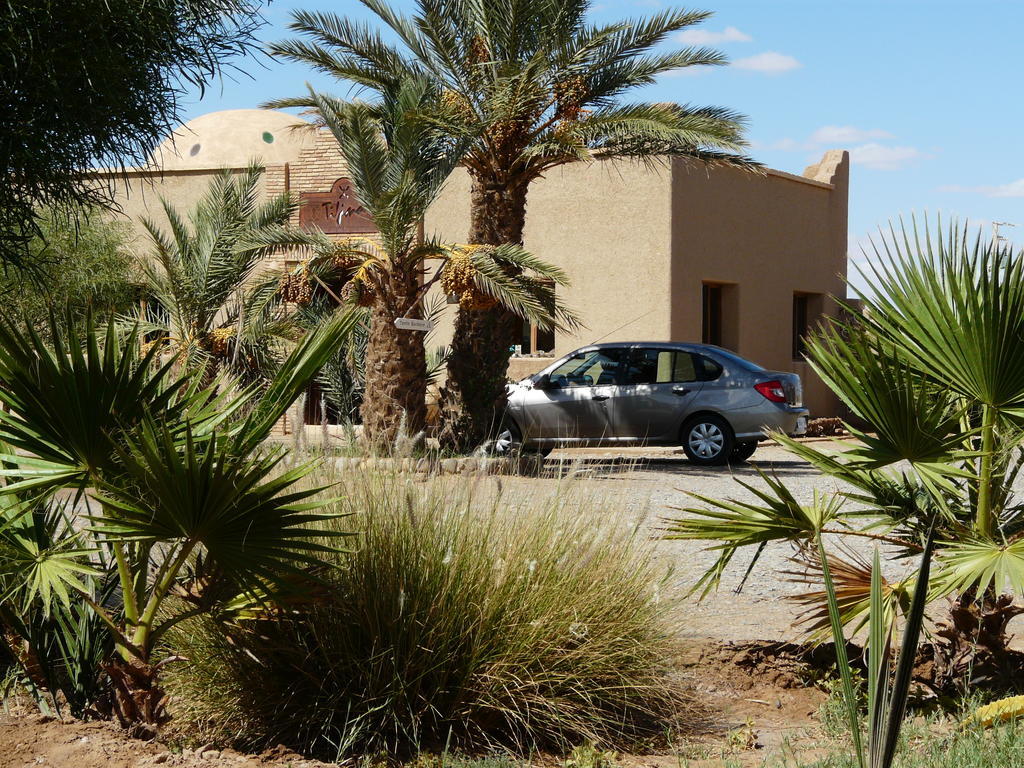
(851, 576)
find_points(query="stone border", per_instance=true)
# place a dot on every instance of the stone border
(526, 464)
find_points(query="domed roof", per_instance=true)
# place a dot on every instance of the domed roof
(233, 138)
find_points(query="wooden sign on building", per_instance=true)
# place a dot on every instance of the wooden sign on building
(337, 212)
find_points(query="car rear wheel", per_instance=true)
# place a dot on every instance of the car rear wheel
(743, 451)
(708, 440)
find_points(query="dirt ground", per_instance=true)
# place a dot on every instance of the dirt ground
(755, 701)
(33, 740)
(756, 696)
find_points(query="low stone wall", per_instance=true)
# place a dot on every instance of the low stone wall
(521, 367)
(526, 464)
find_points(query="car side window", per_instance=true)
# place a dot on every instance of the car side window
(662, 366)
(588, 369)
(708, 369)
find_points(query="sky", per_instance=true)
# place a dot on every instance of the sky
(923, 93)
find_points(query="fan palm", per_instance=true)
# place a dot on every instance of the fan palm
(530, 85)
(217, 302)
(398, 161)
(934, 367)
(174, 495)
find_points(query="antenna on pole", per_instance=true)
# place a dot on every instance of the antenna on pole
(996, 237)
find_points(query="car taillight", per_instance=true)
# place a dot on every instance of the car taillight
(773, 390)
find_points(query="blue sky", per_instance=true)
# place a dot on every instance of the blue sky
(924, 93)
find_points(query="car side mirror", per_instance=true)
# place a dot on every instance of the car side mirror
(542, 382)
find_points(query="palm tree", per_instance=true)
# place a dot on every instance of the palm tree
(187, 512)
(215, 300)
(398, 161)
(934, 368)
(531, 86)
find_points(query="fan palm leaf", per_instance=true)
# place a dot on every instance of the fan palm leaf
(67, 406)
(954, 306)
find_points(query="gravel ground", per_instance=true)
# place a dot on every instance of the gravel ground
(648, 485)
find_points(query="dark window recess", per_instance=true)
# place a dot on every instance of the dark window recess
(800, 302)
(536, 340)
(316, 404)
(711, 325)
(526, 337)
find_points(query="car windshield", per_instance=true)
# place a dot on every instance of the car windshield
(586, 369)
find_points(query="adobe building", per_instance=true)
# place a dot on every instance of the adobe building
(675, 251)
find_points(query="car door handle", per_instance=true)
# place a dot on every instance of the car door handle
(680, 391)
(600, 397)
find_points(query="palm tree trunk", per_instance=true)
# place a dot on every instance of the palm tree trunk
(396, 367)
(473, 399)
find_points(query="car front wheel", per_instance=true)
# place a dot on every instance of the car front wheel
(708, 440)
(509, 442)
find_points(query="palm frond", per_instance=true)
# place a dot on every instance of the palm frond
(979, 565)
(852, 580)
(248, 518)
(776, 516)
(954, 306)
(293, 376)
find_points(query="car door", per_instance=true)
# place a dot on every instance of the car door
(573, 407)
(657, 390)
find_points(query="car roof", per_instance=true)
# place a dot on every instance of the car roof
(688, 346)
(658, 345)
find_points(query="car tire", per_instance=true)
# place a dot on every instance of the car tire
(743, 451)
(708, 440)
(509, 442)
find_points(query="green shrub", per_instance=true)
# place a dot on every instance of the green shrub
(82, 264)
(1001, 747)
(463, 618)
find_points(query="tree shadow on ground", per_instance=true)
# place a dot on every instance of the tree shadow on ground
(618, 467)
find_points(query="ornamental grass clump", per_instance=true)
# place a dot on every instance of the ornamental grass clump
(462, 618)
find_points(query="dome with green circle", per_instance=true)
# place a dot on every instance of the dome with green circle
(232, 138)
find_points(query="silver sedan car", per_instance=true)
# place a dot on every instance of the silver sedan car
(712, 402)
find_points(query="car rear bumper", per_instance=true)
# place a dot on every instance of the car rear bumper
(756, 423)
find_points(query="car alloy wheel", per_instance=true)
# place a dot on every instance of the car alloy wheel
(707, 440)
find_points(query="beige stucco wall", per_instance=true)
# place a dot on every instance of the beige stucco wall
(767, 236)
(608, 225)
(139, 194)
(184, 164)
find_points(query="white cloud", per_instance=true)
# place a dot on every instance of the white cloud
(782, 145)
(884, 158)
(699, 69)
(769, 63)
(870, 154)
(1012, 189)
(846, 134)
(707, 37)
